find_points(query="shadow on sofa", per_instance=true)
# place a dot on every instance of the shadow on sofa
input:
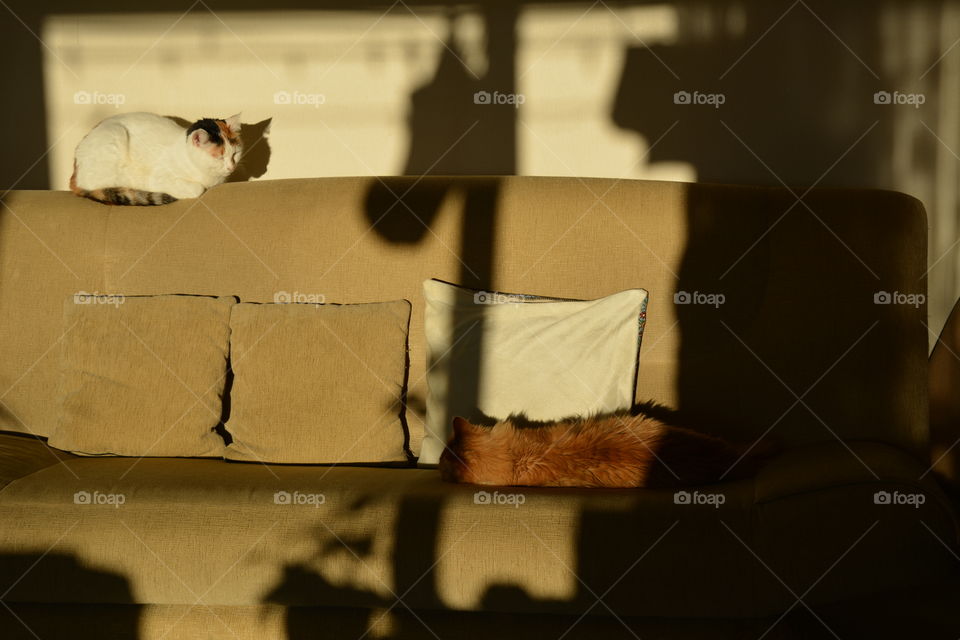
(718, 562)
(38, 578)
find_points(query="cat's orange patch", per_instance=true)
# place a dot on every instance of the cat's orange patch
(226, 132)
(73, 181)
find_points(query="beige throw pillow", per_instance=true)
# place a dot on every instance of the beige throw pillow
(493, 354)
(318, 383)
(143, 375)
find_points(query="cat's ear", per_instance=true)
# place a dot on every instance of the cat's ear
(233, 123)
(199, 138)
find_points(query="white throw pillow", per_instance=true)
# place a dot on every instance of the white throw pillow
(544, 357)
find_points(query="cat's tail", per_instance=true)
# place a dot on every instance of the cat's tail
(688, 458)
(120, 195)
(126, 196)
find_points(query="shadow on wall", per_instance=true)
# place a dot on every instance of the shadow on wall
(794, 99)
(451, 132)
(256, 148)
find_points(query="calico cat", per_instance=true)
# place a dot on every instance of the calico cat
(626, 449)
(146, 159)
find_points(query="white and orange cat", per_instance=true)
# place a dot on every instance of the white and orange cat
(147, 159)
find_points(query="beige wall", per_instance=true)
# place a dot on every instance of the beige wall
(353, 74)
(597, 82)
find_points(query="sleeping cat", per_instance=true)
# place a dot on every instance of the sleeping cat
(145, 159)
(615, 450)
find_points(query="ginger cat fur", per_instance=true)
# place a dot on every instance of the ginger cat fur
(615, 450)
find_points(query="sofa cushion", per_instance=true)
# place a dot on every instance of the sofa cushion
(143, 376)
(492, 355)
(317, 383)
(229, 534)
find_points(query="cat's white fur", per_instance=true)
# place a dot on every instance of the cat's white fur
(148, 152)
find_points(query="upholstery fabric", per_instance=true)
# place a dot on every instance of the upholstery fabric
(143, 376)
(245, 535)
(317, 383)
(799, 282)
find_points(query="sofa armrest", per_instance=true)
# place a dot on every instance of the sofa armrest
(22, 455)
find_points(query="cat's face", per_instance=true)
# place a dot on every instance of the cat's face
(476, 455)
(216, 144)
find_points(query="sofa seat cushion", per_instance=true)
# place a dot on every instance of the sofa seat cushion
(186, 531)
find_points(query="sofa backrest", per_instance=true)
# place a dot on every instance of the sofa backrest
(782, 332)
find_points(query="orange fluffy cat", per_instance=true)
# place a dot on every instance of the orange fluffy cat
(617, 450)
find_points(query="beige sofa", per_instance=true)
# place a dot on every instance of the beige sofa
(800, 349)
